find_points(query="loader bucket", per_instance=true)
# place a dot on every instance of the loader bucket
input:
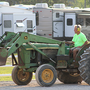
(3, 56)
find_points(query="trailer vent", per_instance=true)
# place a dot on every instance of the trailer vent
(20, 25)
(59, 5)
(41, 5)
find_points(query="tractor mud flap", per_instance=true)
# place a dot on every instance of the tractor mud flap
(3, 56)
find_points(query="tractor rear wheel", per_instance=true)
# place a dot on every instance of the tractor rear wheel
(68, 78)
(46, 75)
(84, 66)
(20, 77)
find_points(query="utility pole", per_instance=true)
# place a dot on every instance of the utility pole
(85, 4)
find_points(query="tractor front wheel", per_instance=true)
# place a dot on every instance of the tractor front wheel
(20, 77)
(46, 75)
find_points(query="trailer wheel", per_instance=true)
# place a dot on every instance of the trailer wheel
(84, 66)
(20, 77)
(68, 78)
(46, 75)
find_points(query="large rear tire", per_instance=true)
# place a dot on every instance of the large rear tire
(20, 77)
(46, 75)
(84, 66)
(68, 78)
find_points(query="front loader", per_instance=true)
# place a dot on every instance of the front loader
(48, 58)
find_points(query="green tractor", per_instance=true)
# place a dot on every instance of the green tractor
(49, 59)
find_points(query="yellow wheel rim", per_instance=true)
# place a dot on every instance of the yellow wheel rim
(22, 76)
(47, 75)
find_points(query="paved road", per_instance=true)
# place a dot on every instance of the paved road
(34, 86)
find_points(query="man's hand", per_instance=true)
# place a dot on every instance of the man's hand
(69, 42)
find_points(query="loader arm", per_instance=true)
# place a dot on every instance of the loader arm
(5, 38)
(22, 37)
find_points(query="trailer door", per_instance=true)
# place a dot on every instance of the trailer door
(58, 29)
(70, 21)
(7, 22)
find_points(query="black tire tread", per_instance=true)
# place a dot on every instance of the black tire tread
(84, 66)
(16, 80)
(37, 75)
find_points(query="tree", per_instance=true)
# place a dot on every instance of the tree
(87, 3)
(72, 3)
(78, 3)
(61, 1)
(50, 2)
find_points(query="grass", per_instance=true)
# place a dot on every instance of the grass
(6, 78)
(8, 70)
(9, 61)
(9, 78)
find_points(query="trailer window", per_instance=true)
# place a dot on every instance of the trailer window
(29, 30)
(7, 24)
(69, 21)
(57, 15)
(87, 21)
(29, 23)
(37, 18)
(80, 21)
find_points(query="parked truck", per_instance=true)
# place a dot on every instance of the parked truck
(49, 59)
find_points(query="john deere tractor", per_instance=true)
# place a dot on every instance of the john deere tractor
(49, 59)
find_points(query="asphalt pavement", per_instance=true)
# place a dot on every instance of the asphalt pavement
(10, 85)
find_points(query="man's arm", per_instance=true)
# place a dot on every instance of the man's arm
(86, 42)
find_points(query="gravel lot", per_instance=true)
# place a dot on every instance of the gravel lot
(34, 86)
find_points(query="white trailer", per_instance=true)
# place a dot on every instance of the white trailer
(54, 23)
(16, 20)
(63, 24)
(65, 19)
(43, 19)
(58, 23)
(44, 22)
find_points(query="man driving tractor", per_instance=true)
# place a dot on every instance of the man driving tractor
(79, 40)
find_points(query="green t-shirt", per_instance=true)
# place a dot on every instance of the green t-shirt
(79, 40)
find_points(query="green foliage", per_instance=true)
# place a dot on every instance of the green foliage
(78, 3)
(28, 2)
(87, 3)
(72, 3)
